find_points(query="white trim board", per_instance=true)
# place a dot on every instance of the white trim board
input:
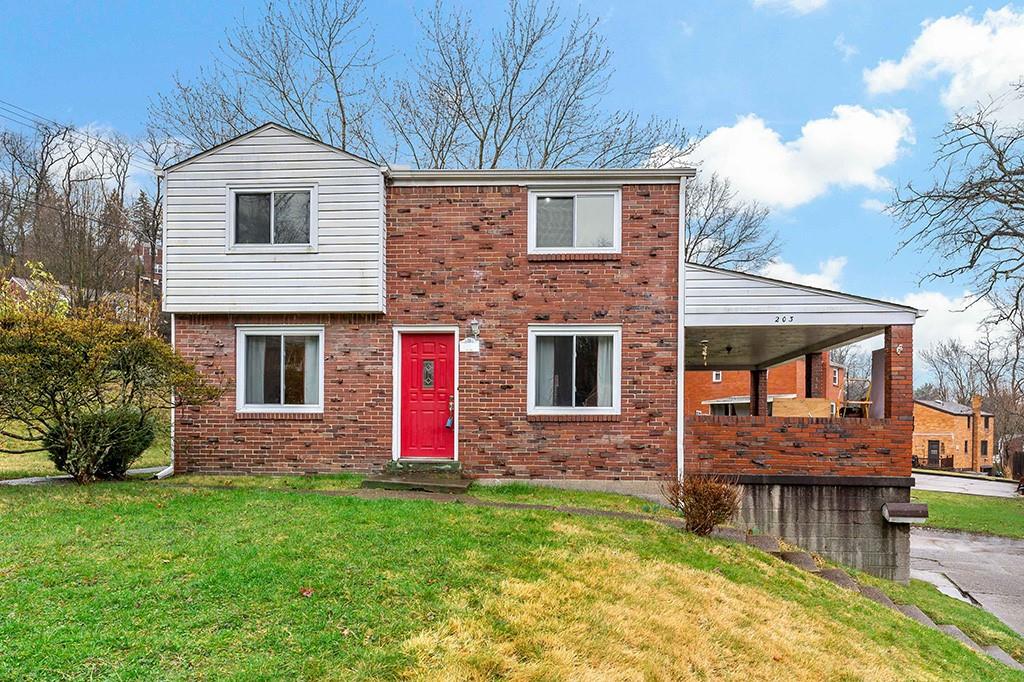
(396, 382)
(535, 330)
(241, 330)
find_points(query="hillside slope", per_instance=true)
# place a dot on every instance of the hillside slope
(149, 580)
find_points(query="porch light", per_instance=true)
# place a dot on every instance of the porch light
(474, 328)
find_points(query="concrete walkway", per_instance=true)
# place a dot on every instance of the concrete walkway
(64, 478)
(962, 484)
(979, 569)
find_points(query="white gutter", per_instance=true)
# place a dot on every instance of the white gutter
(169, 470)
(557, 176)
(681, 342)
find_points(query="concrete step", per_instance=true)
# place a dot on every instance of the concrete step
(1001, 656)
(446, 468)
(876, 595)
(765, 543)
(430, 484)
(839, 577)
(958, 634)
(801, 560)
(912, 611)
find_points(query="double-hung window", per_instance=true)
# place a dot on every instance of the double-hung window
(280, 369)
(574, 369)
(585, 221)
(280, 218)
(716, 377)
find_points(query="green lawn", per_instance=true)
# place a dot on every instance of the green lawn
(974, 513)
(38, 464)
(145, 580)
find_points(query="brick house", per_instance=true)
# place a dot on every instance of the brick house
(728, 392)
(949, 435)
(524, 324)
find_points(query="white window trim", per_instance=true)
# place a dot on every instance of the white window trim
(716, 377)
(314, 212)
(615, 331)
(835, 376)
(243, 330)
(531, 221)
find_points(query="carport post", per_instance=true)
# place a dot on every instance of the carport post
(758, 393)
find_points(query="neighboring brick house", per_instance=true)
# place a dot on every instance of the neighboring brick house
(524, 324)
(949, 435)
(728, 392)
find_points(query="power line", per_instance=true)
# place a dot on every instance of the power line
(31, 119)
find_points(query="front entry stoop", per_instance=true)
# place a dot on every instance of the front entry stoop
(424, 475)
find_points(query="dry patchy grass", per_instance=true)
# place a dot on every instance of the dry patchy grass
(611, 615)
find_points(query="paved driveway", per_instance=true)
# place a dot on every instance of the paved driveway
(975, 568)
(969, 486)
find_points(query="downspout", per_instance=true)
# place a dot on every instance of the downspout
(681, 334)
(169, 470)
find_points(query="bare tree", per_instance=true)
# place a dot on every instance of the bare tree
(857, 363)
(64, 194)
(531, 93)
(724, 231)
(991, 367)
(527, 94)
(972, 216)
(306, 63)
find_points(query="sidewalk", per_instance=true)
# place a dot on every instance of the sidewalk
(64, 478)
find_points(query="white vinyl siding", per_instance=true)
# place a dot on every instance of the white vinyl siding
(719, 298)
(341, 270)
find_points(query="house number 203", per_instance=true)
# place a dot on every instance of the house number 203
(784, 319)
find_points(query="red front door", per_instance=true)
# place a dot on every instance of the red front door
(428, 396)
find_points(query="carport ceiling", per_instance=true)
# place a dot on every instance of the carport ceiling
(763, 346)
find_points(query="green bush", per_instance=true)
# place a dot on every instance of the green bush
(100, 444)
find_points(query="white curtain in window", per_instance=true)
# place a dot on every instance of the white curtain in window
(311, 389)
(605, 346)
(255, 357)
(544, 367)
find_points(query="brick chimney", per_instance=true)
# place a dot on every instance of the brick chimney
(976, 433)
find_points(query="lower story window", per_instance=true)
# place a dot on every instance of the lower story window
(280, 369)
(574, 370)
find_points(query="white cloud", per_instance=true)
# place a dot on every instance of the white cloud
(847, 149)
(946, 318)
(847, 50)
(796, 6)
(685, 28)
(873, 204)
(979, 58)
(827, 277)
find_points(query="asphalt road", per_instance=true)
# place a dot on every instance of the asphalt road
(975, 568)
(968, 486)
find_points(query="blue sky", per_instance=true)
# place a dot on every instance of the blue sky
(753, 73)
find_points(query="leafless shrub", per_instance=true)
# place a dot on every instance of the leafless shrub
(704, 501)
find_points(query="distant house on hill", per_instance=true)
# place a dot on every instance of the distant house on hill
(948, 435)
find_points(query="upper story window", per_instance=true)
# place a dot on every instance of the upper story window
(574, 369)
(279, 369)
(282, 218)
(716, 377)
(565, 221)
(986, 422)
(835, 377)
